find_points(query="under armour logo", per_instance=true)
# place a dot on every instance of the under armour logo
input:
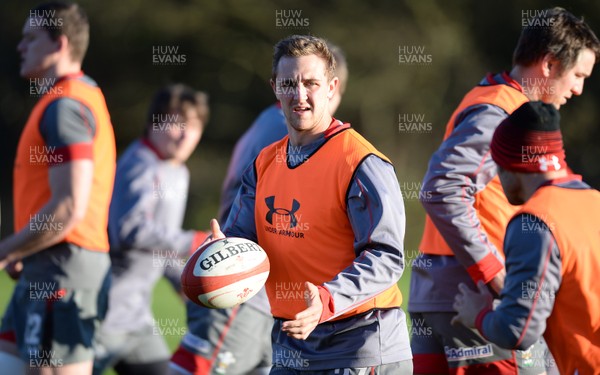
(544, 163)
(270, 201)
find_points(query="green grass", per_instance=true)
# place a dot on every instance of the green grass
(167, 306)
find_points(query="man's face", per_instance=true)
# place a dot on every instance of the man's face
(176, 140)
(38, 52)
(304, 91)
(569, 82)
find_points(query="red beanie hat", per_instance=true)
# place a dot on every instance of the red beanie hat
(529, 140)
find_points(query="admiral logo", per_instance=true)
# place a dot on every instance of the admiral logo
(227, 252)
(461, 354)
(284, 221)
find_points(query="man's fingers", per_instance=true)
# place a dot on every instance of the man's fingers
(304, 323)
(306, 320)
(310, 312)
(464, 289)
(215, 230)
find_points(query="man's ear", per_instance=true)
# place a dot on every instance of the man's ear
(62, 45)
(549, 64)
(333, 86)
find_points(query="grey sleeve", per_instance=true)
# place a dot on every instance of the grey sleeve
(241, 222)
(459, 169)
(66, 122)
(533, 276)
(269, 127)
(133, 223)
(376, 213)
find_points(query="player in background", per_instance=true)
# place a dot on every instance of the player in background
(552, 248)
(222, 341)
(63, 180)
(466, 208)
(266, 129)
(144, 226)
(327, 208)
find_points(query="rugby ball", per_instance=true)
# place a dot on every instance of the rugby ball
(224, 273)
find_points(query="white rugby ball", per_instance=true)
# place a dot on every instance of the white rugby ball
(224, 273)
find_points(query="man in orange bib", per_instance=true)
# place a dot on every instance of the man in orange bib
(466, 208)
(326, 207)
(63, 180)
(552, 248)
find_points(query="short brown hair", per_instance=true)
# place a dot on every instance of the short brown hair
(303, 45)
(67, 19)
(177, 98)
(557, 32)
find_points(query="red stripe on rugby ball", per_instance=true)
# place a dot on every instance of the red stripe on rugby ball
(211, 283)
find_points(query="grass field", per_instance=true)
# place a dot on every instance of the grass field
(167, 306)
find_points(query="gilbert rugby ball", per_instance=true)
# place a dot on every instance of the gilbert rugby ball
(224, 273)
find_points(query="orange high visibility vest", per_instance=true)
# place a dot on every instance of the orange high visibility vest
(491, 206)
(302, 223)
(573, 327)
(33, 159)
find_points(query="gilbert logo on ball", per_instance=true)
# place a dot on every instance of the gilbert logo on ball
(224, 273)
